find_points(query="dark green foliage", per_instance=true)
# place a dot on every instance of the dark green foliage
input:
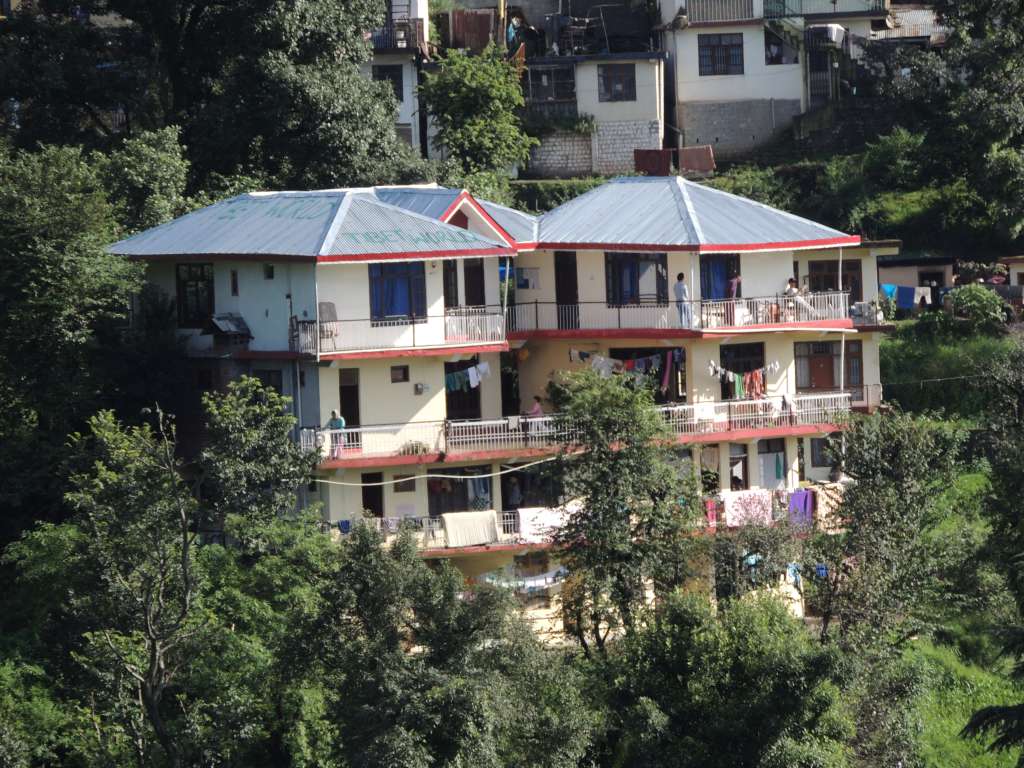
(474, 100)
(544, 194)
(760, 184)
(983, 309)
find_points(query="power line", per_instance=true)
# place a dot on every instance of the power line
(433, 476)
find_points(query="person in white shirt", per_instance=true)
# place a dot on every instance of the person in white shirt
(683, 302)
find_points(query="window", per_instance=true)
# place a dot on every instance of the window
(717, 271)
(739, 477)
(550, 83)
(399, 374)
(234, 282)
(772, 457)
(777, 50)
(405, 483)
(720, 54)
(818, 364)
(636, 278)
(616, 82)
(819, 452)
(450, 275)
(391, 73)
(272, 379)
(268, 271)
(398, 291)
(445, 494)
(739, 358)
(822, 277)
(195, 294)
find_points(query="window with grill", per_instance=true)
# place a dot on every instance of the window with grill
(391, 73)
(818, 365)
(195, 294)
(720, 54)
(550, 83)
(636, 278)
(616, 82)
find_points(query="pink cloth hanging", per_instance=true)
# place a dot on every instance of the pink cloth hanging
(665, 375)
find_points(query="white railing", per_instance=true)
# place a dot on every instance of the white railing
(513, 432)
(706, 314)
(774, 310)
(473, 324)
(719, 10)
(430, 533)
(764, 413)
(526, 432)
(384, 440)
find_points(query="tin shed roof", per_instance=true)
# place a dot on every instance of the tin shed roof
(325, 226)
(671, 213)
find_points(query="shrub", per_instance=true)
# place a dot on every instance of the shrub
(544, 194)
(983, 309)
(895, 160)
(760, 184)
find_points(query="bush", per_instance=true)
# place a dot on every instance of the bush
(760, 184)
(984, 309)
(544, 194)
(895, 161)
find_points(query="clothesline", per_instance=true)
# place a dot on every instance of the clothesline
(467, 379)
(637, 367)
(438, 476)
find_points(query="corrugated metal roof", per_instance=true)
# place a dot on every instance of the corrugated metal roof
(328, 223)
(913, 22)
(427, 201)
(671, 212)
(521, 226)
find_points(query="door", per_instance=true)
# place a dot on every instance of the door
(450, 273)
(567, 294)
(509, 384)
(474, 274)
(461, 400)
(348, 399)
(822, 372)
(373, 495)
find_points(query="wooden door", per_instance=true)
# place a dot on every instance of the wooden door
(567, 294)
(822, 373)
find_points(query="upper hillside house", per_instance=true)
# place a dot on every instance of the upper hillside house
(400, 49)
(744, 69)
(420, 375)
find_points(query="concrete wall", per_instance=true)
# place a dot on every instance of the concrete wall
(734, 128)
(911, 275)
(649, 103)
(868, 269)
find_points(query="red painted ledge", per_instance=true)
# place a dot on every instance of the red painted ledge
(445, 351)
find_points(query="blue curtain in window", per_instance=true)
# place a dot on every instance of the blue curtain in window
(714, 279)
(398, 290)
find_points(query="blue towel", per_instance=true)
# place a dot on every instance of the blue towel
(345, 526)
(889, 290)
(821, 571)
(904, 297)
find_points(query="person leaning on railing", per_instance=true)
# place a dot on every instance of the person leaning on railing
(335, 424)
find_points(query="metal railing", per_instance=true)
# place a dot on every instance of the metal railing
(823, 7)
(458, 325)
(429, 532)
(692, 315)
(698, 11)
(399, 35)
(526, 432)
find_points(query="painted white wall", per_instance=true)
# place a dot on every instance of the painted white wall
(758, 81)
(380, 401)
(649, 103)
(264, 303)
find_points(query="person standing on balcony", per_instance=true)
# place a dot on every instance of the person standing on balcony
(335, 424)
(683, 301)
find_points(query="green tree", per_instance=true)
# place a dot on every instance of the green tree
(636, 509)
(474, 100)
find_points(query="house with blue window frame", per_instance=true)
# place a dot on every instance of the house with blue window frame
(385, 308)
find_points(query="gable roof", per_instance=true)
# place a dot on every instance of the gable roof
(323, 226)
(671, 213)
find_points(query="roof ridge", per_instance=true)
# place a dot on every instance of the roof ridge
(335, 223)
(373, 200)
(689, 211)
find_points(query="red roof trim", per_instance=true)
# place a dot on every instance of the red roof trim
(417, 352)
(735, 435)
(465, 197)
(609, 333)
(706, 248)
(412, 255)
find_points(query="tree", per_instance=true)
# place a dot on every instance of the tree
(262, 88)
(474, 100)
(635, 512)
(748, 687)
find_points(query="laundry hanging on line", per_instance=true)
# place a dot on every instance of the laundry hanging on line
(748, 385)
(639, 366)
(470, 378)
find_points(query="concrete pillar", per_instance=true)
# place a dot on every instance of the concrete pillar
(792, 463)
(754, 479)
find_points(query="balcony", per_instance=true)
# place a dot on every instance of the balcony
(448, 531)
(774, 9)
(425, 442)
(707, 11)
(702, 315)
(458, 326)
(398, 36)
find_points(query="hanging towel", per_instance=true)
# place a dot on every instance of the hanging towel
(904, 297)
(922, 292)
(678, 356)
(467, 529)
(821, 571)
(668, 371)
(537, 524)
(654, 363)
(483, 370)
(630, 365)
(793, 573)
(779, 468)
(641, 365)
(474, 377)
(345, 526)
(889, 290)
(737, 387)
(800, 509)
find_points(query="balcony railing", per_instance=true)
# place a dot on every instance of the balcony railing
(692, 315)
(457, 326)
(698, 11)
(517, 433)
(431, 533)
(399, 35)
(774, 9)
